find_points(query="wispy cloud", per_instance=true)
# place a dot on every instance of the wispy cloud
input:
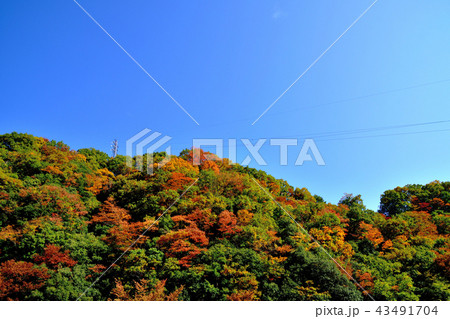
(277, 14)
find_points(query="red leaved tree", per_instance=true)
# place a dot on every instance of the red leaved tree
(228, 223)
(184, 244)
(123, 232)
(54, 258)
(18, 278)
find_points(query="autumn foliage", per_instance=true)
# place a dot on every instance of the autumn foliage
(53, 257)
(143, 293)
(69, 219)
(19, 277)
(122, 231)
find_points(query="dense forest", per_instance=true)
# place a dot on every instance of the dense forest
(66, 216)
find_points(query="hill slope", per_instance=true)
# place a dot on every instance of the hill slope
(66, 216)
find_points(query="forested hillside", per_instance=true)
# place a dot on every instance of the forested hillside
(66, 216)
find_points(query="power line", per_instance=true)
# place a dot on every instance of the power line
(359, 137)
(349, 99)
(358, 131)
(315, 61)
(383, 135)
(364, 130)
(315, 241)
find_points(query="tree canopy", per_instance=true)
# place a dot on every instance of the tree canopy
(66, 216)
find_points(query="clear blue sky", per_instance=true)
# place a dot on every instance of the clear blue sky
(225, 62)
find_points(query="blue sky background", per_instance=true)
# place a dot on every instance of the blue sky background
(226, 62)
